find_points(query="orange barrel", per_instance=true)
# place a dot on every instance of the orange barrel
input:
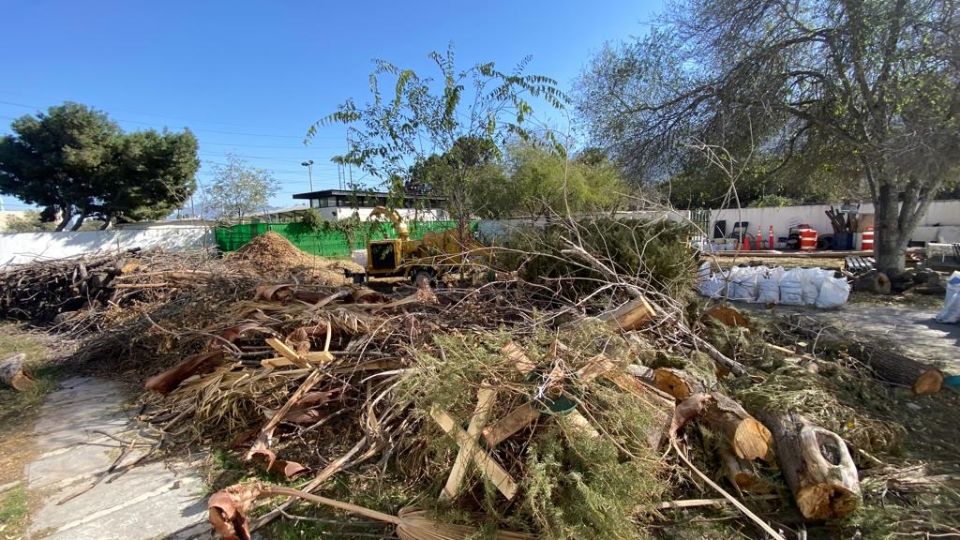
(808, 239)
(867, 242)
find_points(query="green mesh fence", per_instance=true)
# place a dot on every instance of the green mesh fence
(328, 243)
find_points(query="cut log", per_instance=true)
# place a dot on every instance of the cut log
(875, 282)
(746, 436)
(741, 473)
(631, 316)
(727, 315)
(888, 364)
(817, 466)
(677, 383)
(12, 374)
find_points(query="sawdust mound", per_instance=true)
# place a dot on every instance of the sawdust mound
(272, 254)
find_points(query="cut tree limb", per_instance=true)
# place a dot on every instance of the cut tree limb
(874, 281)
(631, 316)
(888, 364)
(11, 373)
(745, 435)
(817, 466)
(740, 472)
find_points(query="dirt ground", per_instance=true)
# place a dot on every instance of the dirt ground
(786, 262)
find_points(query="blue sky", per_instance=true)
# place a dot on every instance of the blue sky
(250, 77)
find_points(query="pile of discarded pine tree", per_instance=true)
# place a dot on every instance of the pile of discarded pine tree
(586, 395)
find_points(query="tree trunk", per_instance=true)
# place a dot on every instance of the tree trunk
(888, 364)
(79, 223)
(107, 224)
(890, 248)
(66, 215)
(816, 465)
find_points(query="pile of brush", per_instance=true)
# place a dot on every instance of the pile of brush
(581, 395)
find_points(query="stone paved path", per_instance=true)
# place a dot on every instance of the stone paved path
(80, 433)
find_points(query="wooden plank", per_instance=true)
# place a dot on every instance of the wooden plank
(513, 422)
(487, 465)
(485, 400)
(518, 357)
(595, 367)
(287, 352)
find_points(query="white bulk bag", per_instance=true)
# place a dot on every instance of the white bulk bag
(768, 285)
(833, 292)
(951, 302)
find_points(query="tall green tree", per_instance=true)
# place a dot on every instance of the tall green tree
(480, 107)
(239, 189)
(540, 182)
(75, 162)
(151, 175)
(866, 86)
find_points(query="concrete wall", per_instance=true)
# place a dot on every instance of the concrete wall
(26, 247)
(497, 229)
(940, 215)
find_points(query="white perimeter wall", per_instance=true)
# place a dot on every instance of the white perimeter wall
(941, 217)
(493, 229)
(26, 247)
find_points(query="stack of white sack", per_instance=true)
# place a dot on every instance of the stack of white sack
(761, 284)
(951, 302)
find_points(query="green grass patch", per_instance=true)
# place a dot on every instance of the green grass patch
(14, 510)
(16, 406)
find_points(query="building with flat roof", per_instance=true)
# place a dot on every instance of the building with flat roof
(336, 204)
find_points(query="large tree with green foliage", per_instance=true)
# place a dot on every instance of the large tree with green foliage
(541, 181)
(459, 116)
(867, 86)
(77, 163)
(239, 189)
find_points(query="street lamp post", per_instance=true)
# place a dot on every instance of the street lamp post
(309, 165)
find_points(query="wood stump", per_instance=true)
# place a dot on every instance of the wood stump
(11, 373)
(817, 466)
(873, 281)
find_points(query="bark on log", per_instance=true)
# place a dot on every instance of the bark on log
(747, 437)
(11, 373)
(740, 472)
(888, 364)
(817, 466)
(875, 282)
